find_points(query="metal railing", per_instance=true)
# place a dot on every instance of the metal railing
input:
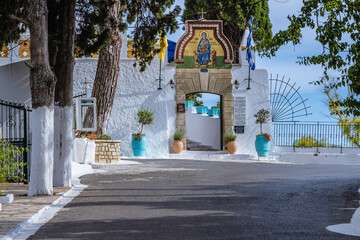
(14, 129)
(307, 134)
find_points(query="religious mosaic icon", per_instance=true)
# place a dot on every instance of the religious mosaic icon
(203, 46)
(203, 51)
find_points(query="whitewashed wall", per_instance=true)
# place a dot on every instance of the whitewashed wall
(256, 98)
(136, 90)
(203, 129)
(14, 83)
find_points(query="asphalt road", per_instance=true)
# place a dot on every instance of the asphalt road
(205, 200)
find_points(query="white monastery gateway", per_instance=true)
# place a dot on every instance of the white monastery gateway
(203, 63)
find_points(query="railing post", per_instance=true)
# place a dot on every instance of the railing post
(294, 137)
(317, 136)
(342, 136)
(26, 144)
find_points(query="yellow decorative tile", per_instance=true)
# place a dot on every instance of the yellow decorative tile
(24, 48)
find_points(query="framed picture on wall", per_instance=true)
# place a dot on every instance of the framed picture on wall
(180, 107)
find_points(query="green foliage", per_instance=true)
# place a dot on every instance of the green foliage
(151, 18)
(309, 142)
(350, 125)
(92, 15)
(218, 105)
(93, 24)
(336, 24)
(145, 117)
(9, 167)
(235, 14)
(351, 129)
(10, 28)
(104, 137)
(262, 116)
(178, 135)
(193, 97)
(230, 136)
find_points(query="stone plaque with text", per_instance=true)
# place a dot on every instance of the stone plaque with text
(240, 111)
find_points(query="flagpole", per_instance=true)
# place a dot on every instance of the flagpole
(248, 88)
(159, 88)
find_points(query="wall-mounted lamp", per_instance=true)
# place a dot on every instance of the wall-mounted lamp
(236, 83)
(172, 84)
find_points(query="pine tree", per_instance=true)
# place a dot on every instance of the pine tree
(150, 20)
(16, 16)
(61, 23)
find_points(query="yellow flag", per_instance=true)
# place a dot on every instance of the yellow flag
(163, 46)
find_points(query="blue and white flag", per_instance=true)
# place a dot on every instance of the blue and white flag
(248, 51)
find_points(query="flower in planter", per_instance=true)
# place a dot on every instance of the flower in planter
(266, 135)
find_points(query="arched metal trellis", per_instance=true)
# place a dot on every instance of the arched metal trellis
(286, 101)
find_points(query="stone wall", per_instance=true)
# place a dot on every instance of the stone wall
(107, 151)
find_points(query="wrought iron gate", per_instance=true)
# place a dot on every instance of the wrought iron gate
(14, 128)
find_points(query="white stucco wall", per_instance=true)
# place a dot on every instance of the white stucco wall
(136, 90)
(139, 90)
(257, 97)
(203, 129)
(14, 82)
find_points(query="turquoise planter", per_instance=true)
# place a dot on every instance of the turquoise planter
(139, 147)
(201, 110)
(262, 146)
(189, 104)
(213, 111)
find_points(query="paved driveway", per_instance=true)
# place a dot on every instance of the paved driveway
(184, 199)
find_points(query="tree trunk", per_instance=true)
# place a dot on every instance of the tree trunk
(64, 68)
(42, 84)
(107, 73)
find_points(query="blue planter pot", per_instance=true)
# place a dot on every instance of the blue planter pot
(189, 104)
(262, 146)
(213, 111)
(139, 147)
(201, 110)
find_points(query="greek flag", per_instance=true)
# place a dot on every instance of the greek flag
(248, 51)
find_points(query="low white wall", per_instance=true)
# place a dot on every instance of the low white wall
(84, 150)
(348, 156)
(203, 129)
(313, 150)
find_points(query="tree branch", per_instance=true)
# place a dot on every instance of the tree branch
(19, 19)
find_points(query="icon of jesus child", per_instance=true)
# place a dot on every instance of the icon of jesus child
(203, 51)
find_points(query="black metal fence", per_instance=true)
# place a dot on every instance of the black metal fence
(14, 129)
(305, 134)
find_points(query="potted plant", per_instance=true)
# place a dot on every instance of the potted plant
(138, 142)
(231, 145)
(178, 145)
(262, 142)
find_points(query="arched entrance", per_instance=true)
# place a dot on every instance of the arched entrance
(216, 81)
(203, 57)
(203, 122)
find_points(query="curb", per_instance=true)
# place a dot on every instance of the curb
(29, 227)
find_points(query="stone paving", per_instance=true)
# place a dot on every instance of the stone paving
(23, 207)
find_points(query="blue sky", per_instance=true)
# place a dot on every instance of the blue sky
(284, 64)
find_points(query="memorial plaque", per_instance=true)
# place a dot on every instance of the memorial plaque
(180, 107)
(240, 111)
(239, 129)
